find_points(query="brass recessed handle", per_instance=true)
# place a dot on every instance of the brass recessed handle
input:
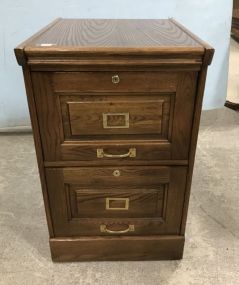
(101, 153)
(113, 208)
(115, 79)
(123, 126)
(104, 229)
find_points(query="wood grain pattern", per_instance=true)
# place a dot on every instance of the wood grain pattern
(87, 151)
(114, 248)
(68, 68)
(92, 203)
(130, 175)
(102, 81)
(84, 117)
(90, 41)
(101, 179)
(114, 33)
(194, 134)
(19, 50)
(38, 145)
(53, 119)
(209, 50)
(193, 142)
(74, 63)
(183, 111)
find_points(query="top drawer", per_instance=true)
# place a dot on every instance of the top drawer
(114, 81)
(90, 116)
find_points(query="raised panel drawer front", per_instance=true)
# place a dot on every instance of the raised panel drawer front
(116, 200)
(90, 116)
(117, 117)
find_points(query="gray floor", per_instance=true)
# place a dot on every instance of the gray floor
(212, 240)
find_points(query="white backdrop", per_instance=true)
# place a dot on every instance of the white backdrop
(209, 19)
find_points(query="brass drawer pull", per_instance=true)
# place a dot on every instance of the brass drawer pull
(103, 229)
(115, 79)
(101, 153)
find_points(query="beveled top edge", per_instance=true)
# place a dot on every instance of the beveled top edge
(196, 47)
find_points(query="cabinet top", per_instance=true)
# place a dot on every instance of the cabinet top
(112, 36)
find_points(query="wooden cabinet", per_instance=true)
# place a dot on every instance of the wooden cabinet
(115, 108)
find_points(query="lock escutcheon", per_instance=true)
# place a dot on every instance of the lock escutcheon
(116, 173)
(115, 79)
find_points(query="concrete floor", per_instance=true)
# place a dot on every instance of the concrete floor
(212, 239)
(211, 253)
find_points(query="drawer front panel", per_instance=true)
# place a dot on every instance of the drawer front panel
(105, 203)
(115, 152)
(112, 117)
(114, 81)
(123, 200)
(127, 175)
(80, 126)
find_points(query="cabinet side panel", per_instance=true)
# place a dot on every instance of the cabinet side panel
(38, 144)
(48, 112)
(183, 114)
(193, 144)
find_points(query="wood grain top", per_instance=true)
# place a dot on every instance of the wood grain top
(114, 33)
(111, 36)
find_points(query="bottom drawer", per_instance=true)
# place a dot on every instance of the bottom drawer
(116, 201)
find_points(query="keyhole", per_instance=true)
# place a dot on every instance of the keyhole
(116, 173)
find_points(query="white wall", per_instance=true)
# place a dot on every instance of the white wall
(209, 19)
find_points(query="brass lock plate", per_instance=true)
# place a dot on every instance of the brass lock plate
(115, 79)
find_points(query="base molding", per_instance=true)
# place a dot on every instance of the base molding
(117, 248)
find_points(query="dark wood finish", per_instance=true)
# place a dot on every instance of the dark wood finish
(114, 248)
(168, 183)
(20, 49)
(112, 42)
(106, 203)
(38, 145)
(147, 116)
(235, 24)
(120, 208)
(87, 151)
(232, 105)
(209, 51)
(56, 123)
(114, 33)
(71, 82)
(108, 162)
(194, 137)
(103, 176)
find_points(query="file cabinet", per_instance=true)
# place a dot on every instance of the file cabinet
(115, 108)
